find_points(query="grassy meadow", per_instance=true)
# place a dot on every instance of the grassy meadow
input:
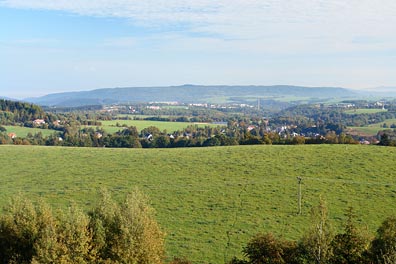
(365, 111)
(110, 126)
(373, 128)
(24, 131)
(210, 201)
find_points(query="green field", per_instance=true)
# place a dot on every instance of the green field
(110, 126)
(369, 131)
(201, 194)
(364, 111)
(374, 128)
(23, 131)
(134, 116)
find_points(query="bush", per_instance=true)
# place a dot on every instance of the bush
(315, 245)
(111, 233)
(264, 249)
(350, 246)
(126, 232)
(383, 247)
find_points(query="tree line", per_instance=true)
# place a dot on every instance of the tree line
(307, 124)
(320, 245)
(18, 112)
(111, 232)
(192, 136)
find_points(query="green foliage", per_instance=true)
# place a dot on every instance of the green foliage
(66, 238)
(265, 248)
(316, 242)
(19, 231)
(112, 233)
(127, 232)
(383, 247)
(388, 137)
(349, 247)
(18, 112)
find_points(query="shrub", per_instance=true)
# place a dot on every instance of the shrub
(350, 246)
(126, 232)
(315, 245)
(383, 247)
(112, 233)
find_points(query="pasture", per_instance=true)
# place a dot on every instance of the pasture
(24, 131)
(373, 128)
(210, 201)
(365, 111)
(111, 126)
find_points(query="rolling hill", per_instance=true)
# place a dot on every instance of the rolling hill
(211, 201)
(187, 94)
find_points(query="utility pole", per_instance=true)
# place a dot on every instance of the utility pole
(299, 179)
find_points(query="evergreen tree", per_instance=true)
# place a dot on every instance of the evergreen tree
(350, 246)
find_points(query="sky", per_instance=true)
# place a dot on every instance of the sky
(51, 46)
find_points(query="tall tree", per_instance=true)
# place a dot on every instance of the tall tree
(127, 232)
(350, 246)
(317, 240)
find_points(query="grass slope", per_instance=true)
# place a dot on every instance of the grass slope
(365, 111)
(210, 201)
(23, 131)
(110, 126)
(373, 128)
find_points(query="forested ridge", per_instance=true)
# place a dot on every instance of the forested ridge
(12, 112)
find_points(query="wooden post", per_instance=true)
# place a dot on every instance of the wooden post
(299, 179)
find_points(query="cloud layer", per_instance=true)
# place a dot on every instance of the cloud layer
(240, 18)
(307, 42)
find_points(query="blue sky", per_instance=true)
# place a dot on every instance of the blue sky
(49, 46)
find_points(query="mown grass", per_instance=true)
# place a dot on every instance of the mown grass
(24, 131)
(111, 125)
(210, 201)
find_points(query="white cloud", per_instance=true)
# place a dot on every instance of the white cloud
(262, 32)
(240, 18)
(263, 26)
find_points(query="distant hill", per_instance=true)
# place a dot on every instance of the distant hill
(187, 94)
(7, 98)
(382, 91)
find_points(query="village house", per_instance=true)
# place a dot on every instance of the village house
(148, 137)
(56, 122)
(153, 107)
(38, 122)
(12, 135)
